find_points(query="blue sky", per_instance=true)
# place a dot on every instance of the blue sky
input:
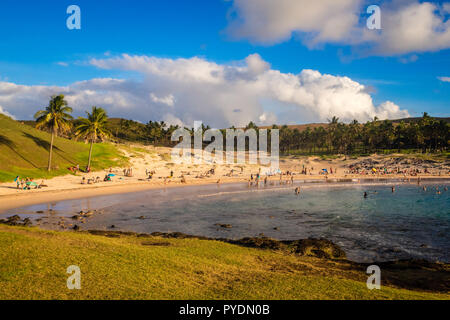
(36, 48)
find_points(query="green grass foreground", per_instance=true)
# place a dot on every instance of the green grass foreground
(24, 151)
(33, 265)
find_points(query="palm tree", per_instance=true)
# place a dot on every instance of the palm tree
(92, 128)
(56, 118)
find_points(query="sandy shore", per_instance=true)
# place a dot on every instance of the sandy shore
(70, 187)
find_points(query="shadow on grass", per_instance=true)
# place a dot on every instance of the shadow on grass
(46, 145)
(7, 142)
(11, 145)
(40, 142)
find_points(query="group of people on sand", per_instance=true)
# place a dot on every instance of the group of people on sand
(149, 174)
(76, 169)
(128, 172)
(28, 184)
(90, 180)
(382, 171)
(255, 179)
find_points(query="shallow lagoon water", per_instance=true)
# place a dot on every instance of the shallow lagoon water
(410, 223)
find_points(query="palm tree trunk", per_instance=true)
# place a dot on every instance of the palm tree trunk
(90, 154)
(51, 152)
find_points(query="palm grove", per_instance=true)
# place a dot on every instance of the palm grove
(57, 119)
(426, 134)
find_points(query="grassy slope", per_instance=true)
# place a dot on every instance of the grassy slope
(24, 151)
(33, 265)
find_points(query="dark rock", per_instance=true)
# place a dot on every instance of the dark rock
(262, 243)
(320, 248)
(27, 222)
(226, 226)
(76, 228)
(14, 219)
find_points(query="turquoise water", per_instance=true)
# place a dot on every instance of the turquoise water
(410, 223)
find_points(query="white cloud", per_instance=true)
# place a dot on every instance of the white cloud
(167, 100)
(409, 59)
(5, 113)
(217, 94)
(62, 64)
(407, 26)
(268, 21)
(413, 27)
(444, 79)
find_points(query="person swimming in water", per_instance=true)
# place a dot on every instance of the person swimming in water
(393, 189)
(365, 195)
(297, 191)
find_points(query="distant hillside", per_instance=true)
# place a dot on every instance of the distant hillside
(302, 127)
(24, 151)
(407, 120)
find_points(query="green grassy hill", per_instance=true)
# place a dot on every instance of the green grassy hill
(24, 152)
(33, 265)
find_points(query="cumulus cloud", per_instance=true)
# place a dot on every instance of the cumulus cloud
(6, 113)
(444, 79)
(181, 91)
(268, 21)
(407, 26)
(167, 100)
(412, 27)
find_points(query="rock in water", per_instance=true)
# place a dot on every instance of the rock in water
(226, 226)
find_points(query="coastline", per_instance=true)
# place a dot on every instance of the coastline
(33, 197)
